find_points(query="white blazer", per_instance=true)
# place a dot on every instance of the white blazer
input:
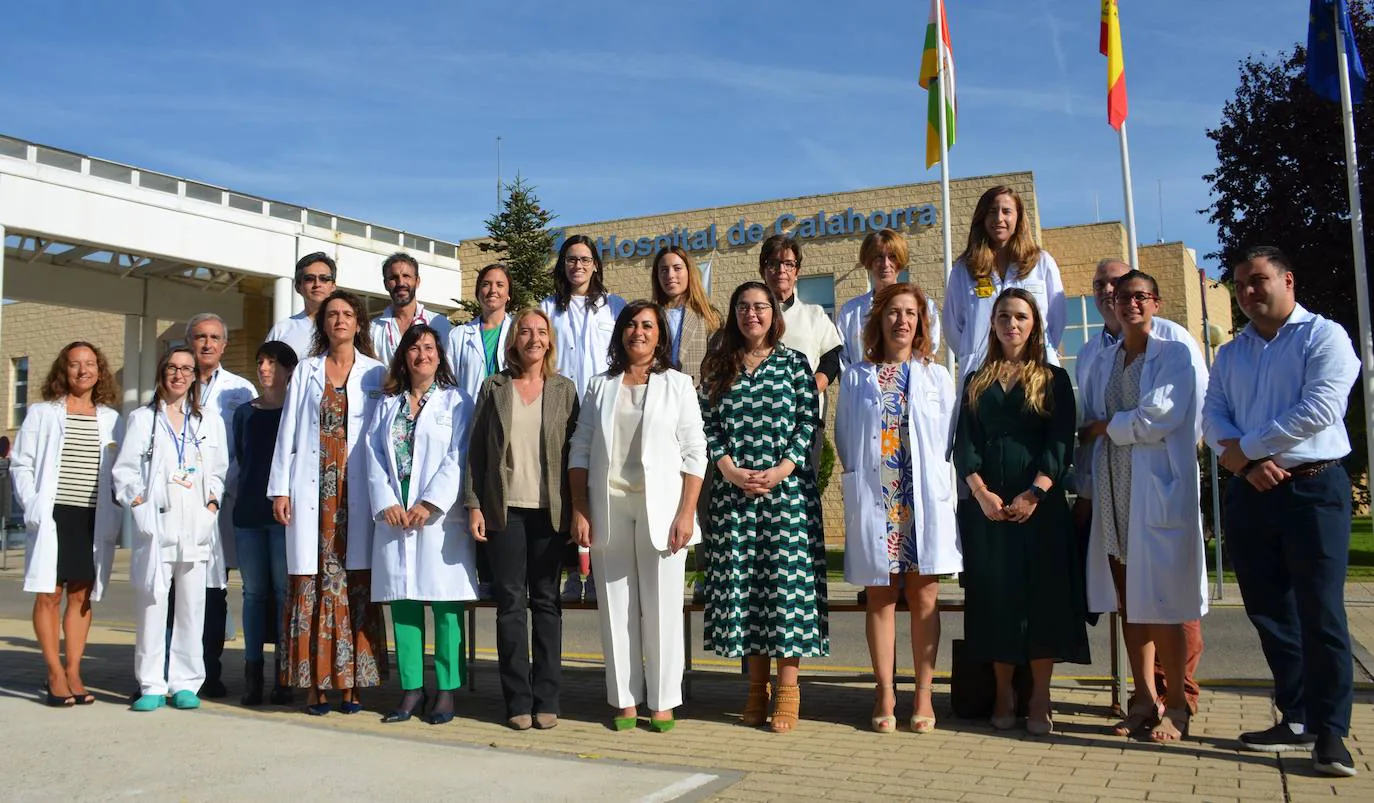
(34, 466)
(468, 359)
(437, 561)
(672, 442)
(141, 471)
(386, 335)
(1166, 573)
(296, 462)
(931, 402)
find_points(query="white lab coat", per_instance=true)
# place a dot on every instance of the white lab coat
(296, 462)
(145, 461)
(1166, 581)
(583, 337)
(968, 310)
(297, 331)
(386, 335)
(436, 562)
(227, 391)
(34, 467)
(854, 316)
(931, 402)
(672, 443)
(468, 359)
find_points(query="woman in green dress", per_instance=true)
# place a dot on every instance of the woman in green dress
(1023, 575)
(765, 563)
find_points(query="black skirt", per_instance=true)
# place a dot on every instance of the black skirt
(75, 543)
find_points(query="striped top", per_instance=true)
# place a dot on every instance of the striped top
(80, 467)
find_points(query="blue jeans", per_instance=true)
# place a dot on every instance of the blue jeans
(262, 564)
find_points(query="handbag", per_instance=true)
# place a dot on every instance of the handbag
(973, 686)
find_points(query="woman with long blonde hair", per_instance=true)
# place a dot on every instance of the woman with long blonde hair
(1023, 574)
(1001, 253)
(691, 318)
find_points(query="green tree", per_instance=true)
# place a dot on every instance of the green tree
(1281, 180)
(521, 239)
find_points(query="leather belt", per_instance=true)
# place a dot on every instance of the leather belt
(1305, 470)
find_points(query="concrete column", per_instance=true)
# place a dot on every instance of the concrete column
(149, 352)
(283, 295)
(131, 388)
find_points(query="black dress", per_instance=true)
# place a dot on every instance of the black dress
(1023, 582)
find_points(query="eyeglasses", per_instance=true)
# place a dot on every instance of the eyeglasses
(317, 278)
(780, 266)
(173, 370)
(1127, 299)
(758, 309)
(575, 261)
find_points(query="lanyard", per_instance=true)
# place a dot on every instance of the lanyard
(180, 444)
(393, 331)
(205, 389)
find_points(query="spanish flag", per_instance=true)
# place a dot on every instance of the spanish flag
(1110, 45)
(937, 64)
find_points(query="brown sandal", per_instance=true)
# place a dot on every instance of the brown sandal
(1172, 727)
(1142, 714)
(756, 705)
(786, 708)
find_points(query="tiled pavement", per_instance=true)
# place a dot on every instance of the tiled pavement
(833, 755)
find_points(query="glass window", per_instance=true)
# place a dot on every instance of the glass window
(19, 390)
(818, 290)
(1083, 322)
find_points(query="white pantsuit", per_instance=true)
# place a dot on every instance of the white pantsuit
(639, 582)
(186, 669)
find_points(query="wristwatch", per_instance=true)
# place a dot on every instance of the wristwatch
(1037, 492)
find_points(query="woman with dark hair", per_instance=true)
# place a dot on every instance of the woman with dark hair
(765, 570)
(1023, 573)
(261, 540)
(807, 328)
(332, 637)
(892, 428)
(692, 320)
(170, 474)
(1001, 254)
(476, 350)
(61, 475)
(517, 501)
(421, 552)
(583, 316)
(635, 469)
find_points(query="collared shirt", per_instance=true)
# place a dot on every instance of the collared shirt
(675, 319)
(1283, 398)
(386, 335)
(1162, 328)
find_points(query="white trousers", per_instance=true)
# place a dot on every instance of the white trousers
(186, 669)
(639, 597)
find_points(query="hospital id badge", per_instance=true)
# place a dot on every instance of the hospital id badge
(182, 477)
(984, 288)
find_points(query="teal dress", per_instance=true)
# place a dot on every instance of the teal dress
(1023, 583)
(765, 557)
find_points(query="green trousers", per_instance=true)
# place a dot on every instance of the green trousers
(408, 621)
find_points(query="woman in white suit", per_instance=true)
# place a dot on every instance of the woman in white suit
(417, 444)
(170, 475)
(1142, 403)
(61, 474)
(892, 433)
(635, 469)
(333, 634)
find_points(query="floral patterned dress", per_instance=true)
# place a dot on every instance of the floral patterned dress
(894, 468)
(333, 637)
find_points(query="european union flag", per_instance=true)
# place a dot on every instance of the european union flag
(1321, 51)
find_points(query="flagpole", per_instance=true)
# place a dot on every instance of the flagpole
(1132, 241)
(1357, 235)
(946, 232)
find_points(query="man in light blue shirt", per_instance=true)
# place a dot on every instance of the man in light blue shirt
(1274, 414)
(1108, 272)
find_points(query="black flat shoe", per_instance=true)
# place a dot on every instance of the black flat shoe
(402, 714)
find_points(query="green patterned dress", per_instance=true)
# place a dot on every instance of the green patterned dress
(765, 557)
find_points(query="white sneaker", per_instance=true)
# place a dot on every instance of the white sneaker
(572, 588)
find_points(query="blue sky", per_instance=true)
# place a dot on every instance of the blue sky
(389, 112)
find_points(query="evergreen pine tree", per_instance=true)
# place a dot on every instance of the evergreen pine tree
(521, 239)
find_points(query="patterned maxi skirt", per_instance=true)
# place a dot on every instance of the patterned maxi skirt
(333, 636)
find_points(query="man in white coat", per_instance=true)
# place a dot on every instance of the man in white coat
(221, 392)
(401, 277)
(1108, 271)
(315, 277)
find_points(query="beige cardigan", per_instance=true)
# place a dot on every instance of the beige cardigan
(486, 476)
